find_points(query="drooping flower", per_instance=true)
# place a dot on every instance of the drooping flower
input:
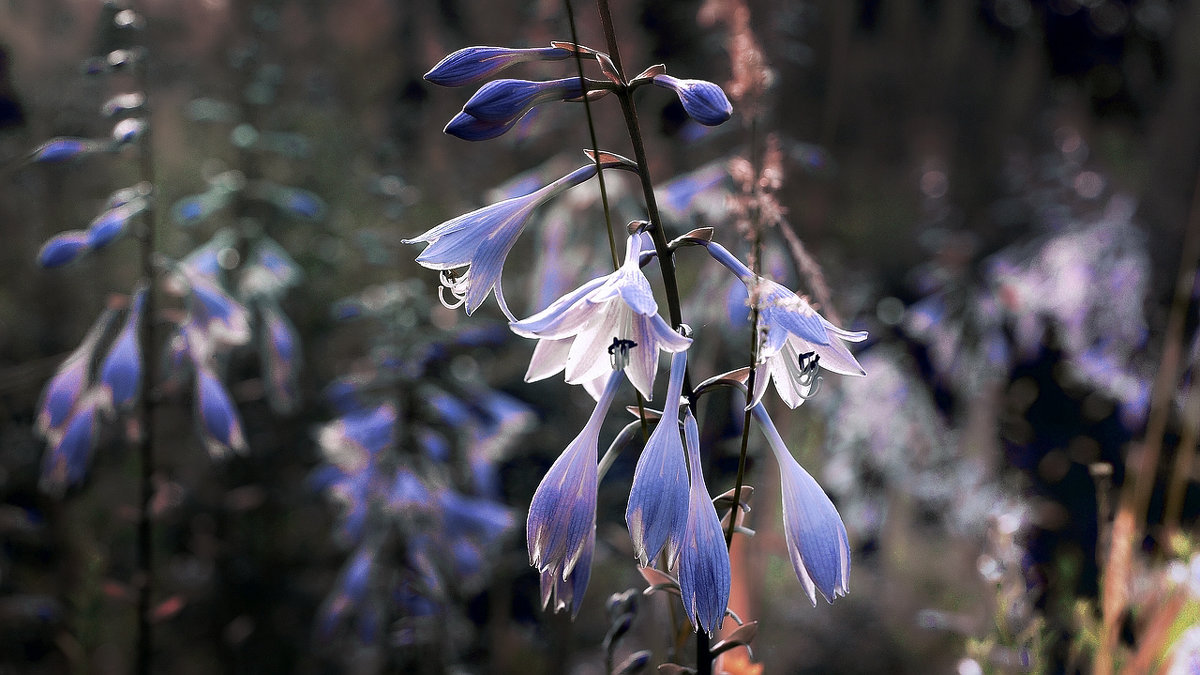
(217, 419)
(703, 101)
(66, 461)
(64, 390)
(816, 537)
(608, 322)
(480, 241)
(793, 338)
(658, 499)
(280, 356)
(352, 587)
(121, 371)
(561, 529)
(704, 576)
(222, 320)
(475, 64)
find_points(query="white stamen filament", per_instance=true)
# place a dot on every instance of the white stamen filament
(458, 286)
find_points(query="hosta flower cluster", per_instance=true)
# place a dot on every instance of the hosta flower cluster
(610, 329)
(222, 296)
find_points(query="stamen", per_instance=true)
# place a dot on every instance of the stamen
(458, 285)
(809, 367)
(462, 299)
(618, 353)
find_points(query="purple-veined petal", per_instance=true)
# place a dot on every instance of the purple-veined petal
(703, 101)
(475, 64)
(658, 499)
(63, 248)
(704, 576)
(565, 592)
(556, 321)
(549, 358)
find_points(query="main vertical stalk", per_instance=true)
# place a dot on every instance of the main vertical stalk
(666, 263)
(146, 342)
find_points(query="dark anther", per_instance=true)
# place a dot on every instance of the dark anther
(623, 345)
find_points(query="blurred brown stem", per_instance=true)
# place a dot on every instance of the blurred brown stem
(1129, 525)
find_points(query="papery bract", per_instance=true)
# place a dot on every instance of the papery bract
(704, 576)
(612, 319)
(658, 499)
(816, 537)
(475, 64)
(561, 528)
(703, 101)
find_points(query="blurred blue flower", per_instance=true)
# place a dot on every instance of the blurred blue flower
(349, 594)
(704, 576)
(475, 64)
(280, 356)
(269, 270)
(64, 389)
(113, 223)
(480, 241)
(703, 101)
(609, 322)
(221, 319)
(407, 492)
(63, 248)
(69, 454)
(64, 148)
(121, 371)
(561, 528)
(217, 418)
(658, 499)
(816, 537)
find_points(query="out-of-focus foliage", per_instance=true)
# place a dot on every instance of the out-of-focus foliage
(996, 189)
